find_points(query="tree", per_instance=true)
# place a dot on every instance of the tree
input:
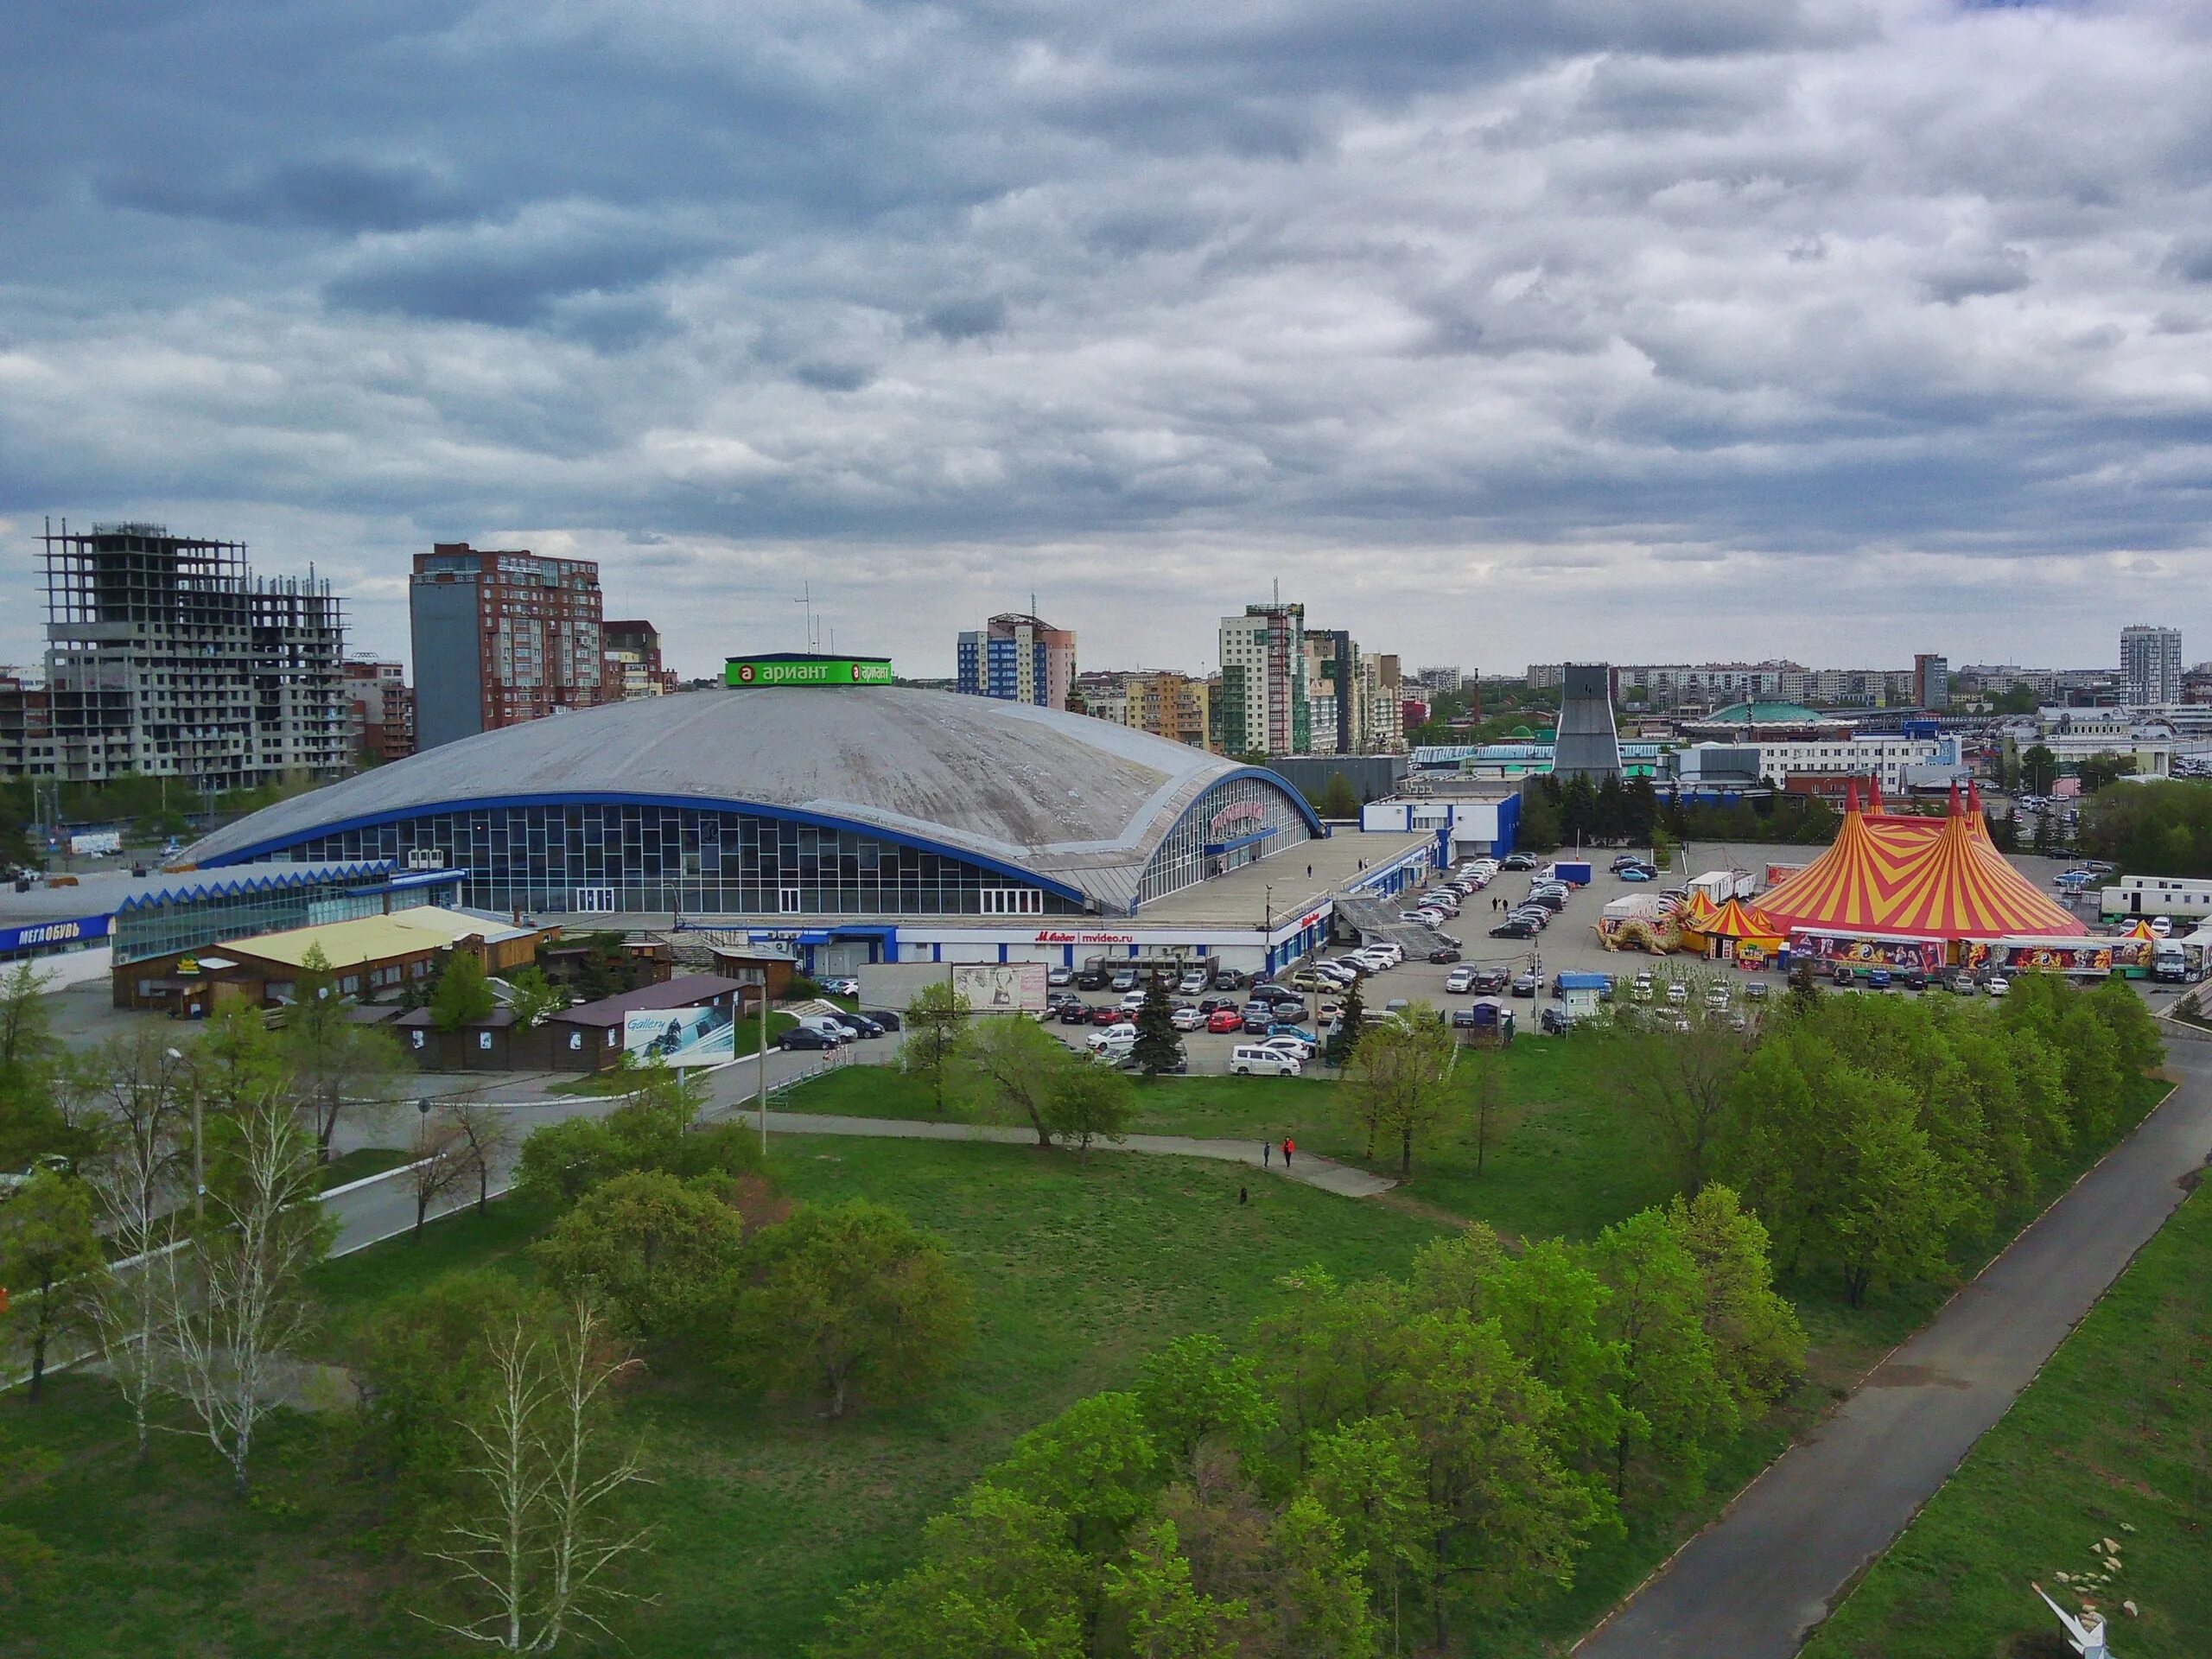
(1338, 800)
(1486, 1099)
(2038, 769)
(1891, 1202)
(1399, 1082)
(1012, 1065)
(1678, 1081)
(1094, 1464)
(463, 994)
(337, 1066)
(51, 1263)
(29, 1125)
(486, 1134)
(139, 1180)
(533, 997)
(1321, 1609)
(658, 1252)
(1367, 1474)
(536, 1557)
(1166, 1617)
(853, 1296)
(1159, 1047)
(1668, 1381)
(1194, 1391)
(1087, 1101)
(439, 1161)
(1344, 1040)
(1550, 1304)
(997, 1580)
(237, 1298)
(1758, 1346)
(937, 1037)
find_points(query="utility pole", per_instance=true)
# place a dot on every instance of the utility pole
(764, 1061)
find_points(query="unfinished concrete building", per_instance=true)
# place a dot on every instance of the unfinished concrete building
(166, 656)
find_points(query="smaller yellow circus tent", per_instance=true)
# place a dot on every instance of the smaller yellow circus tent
(1741, 932)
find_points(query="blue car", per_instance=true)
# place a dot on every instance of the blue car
(1306, 1038)
(1636, 872)
(1877, 979)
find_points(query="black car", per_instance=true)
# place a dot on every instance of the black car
(1518, 862)
(1489, 981)
(1553, 1022)
(1211, 1005)
(1230, 980)
(1258, 1022)
(859, 1024)
(1914, 980)
(800, 1036)
(883, 1017)
(1524, 984)
(1444, 953)
(1842, 975)
(1516, 929)
(1075, 1014)
(1090, 979)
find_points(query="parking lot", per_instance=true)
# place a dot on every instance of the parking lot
(1569, 944)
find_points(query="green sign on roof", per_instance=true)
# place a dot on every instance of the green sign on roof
(797, 668)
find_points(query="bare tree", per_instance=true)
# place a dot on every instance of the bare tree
(235, 1299)
(139, 1178)
(1680, 1080)
(439, 1163)
(1486, 1099)
(539, 1551)
(489, 1134)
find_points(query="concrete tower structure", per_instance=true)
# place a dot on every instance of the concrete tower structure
(1589, 744)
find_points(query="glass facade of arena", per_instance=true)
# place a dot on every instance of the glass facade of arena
(610, 857)
(192, 916)
(1237, 820)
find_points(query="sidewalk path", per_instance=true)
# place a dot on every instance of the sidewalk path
(1330, 1177)
(1754, 1584)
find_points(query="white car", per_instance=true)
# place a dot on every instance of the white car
(1188, 1020)
(1339, 971)
(1299, 1048)
(1394, 953)
(1257, 1060)
(1459, 979)
(1114, 1041)
(1997, 985)
(841, 987)
(1132, 1000)
(2161, 925)
(1193, 982)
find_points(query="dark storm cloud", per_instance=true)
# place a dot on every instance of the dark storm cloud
(1680, 302)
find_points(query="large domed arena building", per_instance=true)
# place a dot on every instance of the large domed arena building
(857, 822)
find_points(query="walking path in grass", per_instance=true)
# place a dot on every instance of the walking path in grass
(1752, 1584)
(1325, 1173)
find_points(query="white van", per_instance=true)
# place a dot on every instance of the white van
(1253, 1060)
(1114, 1042)
(825, 1025)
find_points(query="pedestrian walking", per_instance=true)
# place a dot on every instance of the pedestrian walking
(1242, 1196)
(1266, 1154)
(1289, 1146)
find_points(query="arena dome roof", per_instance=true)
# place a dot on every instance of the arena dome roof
(1078, 801)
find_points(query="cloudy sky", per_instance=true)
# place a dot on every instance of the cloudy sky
(1655, 329)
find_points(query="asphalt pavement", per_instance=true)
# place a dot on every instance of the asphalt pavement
(1754, 1584)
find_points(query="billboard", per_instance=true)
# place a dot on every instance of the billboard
(681, 1036)
(99, 843)
(806, 670)
(1002, 986)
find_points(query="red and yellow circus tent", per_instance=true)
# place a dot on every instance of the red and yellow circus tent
(1893, 876)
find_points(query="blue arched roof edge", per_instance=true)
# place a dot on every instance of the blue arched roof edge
(690, 802)
(1283, 785)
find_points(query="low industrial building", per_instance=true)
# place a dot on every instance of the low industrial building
(369, 957)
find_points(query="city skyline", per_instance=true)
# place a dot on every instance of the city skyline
(1621, 323)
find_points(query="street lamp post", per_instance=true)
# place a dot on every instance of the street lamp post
(199, 1161)
(1268, 932)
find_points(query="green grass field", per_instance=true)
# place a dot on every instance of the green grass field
(766, 1513)
(2113, 1440)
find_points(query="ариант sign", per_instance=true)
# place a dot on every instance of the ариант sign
(795, 668)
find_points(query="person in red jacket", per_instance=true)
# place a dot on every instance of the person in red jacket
(1289, 1146)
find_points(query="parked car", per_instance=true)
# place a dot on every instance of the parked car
(1213, 1005)
(1518, 862)
(1640, 988)
(1914, 980)
(1257, 1060)
(1961, 984)
(1637, 873)
(1515, 929)
(1524, 983)
(1108, 1015)
(1090, 979)
(806, 1036)
(1459, 979)
(1677, 994)
(1187, 1018)
(1444, 953)
(841, 987)
(1055, 977)
(859, 1025)
(1194, 980)
(1258, 1021)
(1716, 996)
(1489, 981)
(1757, 991)
(1075, 1014)
(1291, 1040)
(1554, 1022)
(1997, 985)
(884, 1017)
(1222, 1021)
(1878, 979)
(1842, 976)
(1132, 1000)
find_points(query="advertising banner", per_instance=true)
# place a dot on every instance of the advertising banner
(100, 843)
(681, 1037)
(807, 670)
(1002, 986)
(1836, 950)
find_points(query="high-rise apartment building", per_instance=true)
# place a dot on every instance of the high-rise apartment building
(382, 708)
(1167, 704)
(1264, 709)
(1442, 676)
(634, 670)
(1017, 657)
(501, 639)
(2150, 666)
(1335, 696)
(1383, 697)
(167, 656)
(1931, 681)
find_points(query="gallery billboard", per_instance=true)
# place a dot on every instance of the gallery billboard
(1002, 986)
(681, 1037)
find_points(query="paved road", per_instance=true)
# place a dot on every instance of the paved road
(1754, 1584)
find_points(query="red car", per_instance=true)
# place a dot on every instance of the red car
(1224, 1020)
(1108, 1015)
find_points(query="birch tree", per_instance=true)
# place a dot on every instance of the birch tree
(536, 1559)
(141, 1177)
(236, 1298)
(438, 1163)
